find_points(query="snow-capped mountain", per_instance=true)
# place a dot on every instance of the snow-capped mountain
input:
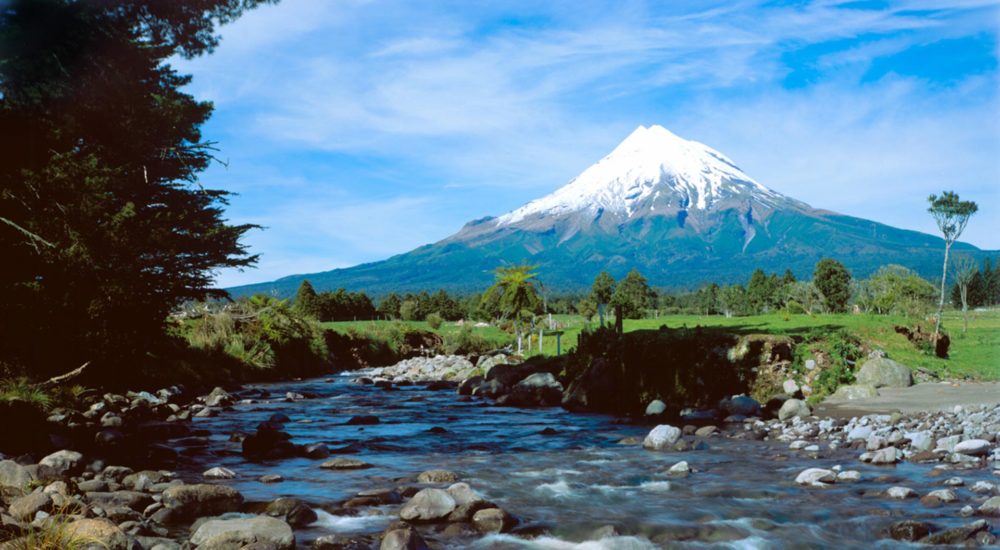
(651, 167)
(679, 211)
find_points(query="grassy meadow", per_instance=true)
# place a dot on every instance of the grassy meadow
(975, 354)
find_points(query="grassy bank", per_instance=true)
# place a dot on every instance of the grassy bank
(974, 355)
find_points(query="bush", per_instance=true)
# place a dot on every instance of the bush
(264, 334)
(434, 320)
(21, 389)
(467, 341)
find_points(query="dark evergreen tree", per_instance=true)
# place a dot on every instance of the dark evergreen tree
(632, 296)
(307, 302)
(834, 282)
(389, 306)
(104, 227)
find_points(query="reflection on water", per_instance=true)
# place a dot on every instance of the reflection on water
(569, 481)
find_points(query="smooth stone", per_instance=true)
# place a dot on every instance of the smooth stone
(909, 530)
(223, 534)
(493, 520)
(854, 391)
(428, 505)
(679, 469)
(900, 493)
(793, 408)
(192, 501)
(973, 447)
(219, 473)
(662, 437)
(816, 477)
(884, 372)
(656, 408)
(108, 535)
(403, 539)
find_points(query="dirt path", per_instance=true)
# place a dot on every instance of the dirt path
(933, 396)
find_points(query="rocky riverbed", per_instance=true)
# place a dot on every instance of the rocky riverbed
(399, 458)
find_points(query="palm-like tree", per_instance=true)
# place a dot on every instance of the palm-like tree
(517, 295)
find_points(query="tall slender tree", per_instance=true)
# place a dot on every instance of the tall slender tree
(965, 269)
(952, 215)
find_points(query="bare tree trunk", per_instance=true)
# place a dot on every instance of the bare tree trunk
(944, 278)
(63, 378)
(517, 328)
(963, 289)
(600, 313)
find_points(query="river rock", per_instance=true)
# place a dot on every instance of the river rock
(990, 508)
(884, 372)
(428, 505)
(816, 477)
(219, 398)
(957, 535)
(909, 530)
(224, 534)
(467, 502)
(973, 447)
(656, 408)
(294, 511)
(900, 493)
(854, 391)
(344, 464)
(24, 508)
(405, 538)
(134, 500)
(888, 455)
(493, 520)
(848, 476)
(363, 420)
(185, 502)
(107, 534)
(790, 387)
(943, 495)
(14, 475)
(662, 438)
(437, 476)
(60, 464)
(219, 473)
(679, 469)
(793, 408)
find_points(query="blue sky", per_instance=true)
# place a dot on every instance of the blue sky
(355, 130)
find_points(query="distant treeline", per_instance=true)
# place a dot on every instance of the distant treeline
(893, 289)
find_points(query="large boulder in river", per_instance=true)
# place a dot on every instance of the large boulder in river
(428, 505)
(883, 372)
(187, 502)
(540, 388)
(794, 408)
(294, 511)
(223, 534)
(743, 405)
(662, 438)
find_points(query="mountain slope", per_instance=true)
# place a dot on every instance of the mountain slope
(679, 211)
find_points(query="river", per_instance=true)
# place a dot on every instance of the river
(563, 474)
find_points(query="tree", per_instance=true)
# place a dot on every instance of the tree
(104, 228)
(586, 308)
(894, 289)
(517, 297)
(965, 269)
(306, 301)
(834, 282)
(601, 292)
(951, 215)
(389, 306)
(632, 296)
(733, 300)
(408, 310)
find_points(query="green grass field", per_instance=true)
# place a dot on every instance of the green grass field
(975, 354)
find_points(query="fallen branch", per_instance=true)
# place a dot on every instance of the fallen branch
(63, 378)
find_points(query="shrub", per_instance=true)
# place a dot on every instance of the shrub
(467, 341)
(21, 389)
(434, 320)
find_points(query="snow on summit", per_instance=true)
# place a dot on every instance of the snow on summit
(650, 161)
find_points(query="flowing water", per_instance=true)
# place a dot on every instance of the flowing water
(561, 473)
